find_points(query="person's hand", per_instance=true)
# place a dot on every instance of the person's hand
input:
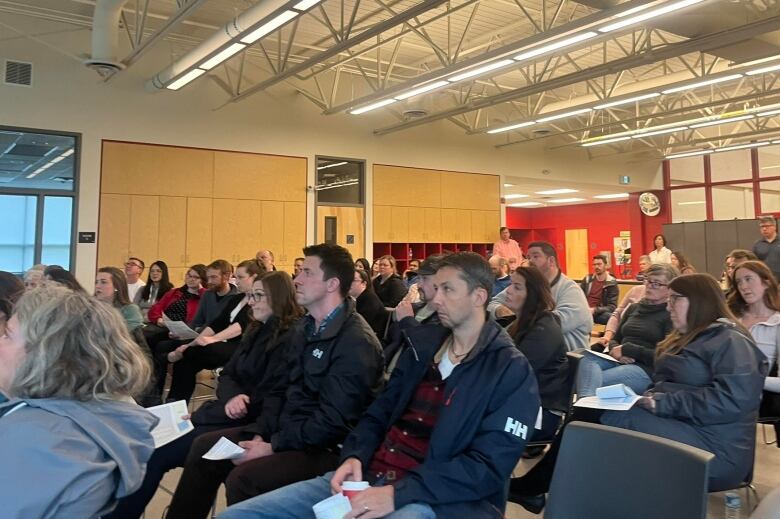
(616, 352)
(603, 341)
(646, 402)
(161, 322)
(236, 407)
(373, 502)
(404, 309)
(255, 448)
(350, 470)
(592, 310)
(503, 311)
(203, 340)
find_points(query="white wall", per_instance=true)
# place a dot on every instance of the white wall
(66, 96)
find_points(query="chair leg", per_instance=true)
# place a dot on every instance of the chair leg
(750, 491)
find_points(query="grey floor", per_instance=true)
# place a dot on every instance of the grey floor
(766, 478)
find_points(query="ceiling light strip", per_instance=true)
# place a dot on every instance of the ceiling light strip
(648, 14)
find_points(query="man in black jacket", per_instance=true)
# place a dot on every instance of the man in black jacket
(443, 437)
(335, 375)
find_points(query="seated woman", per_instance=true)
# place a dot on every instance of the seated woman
(11, 287)
(217, 342)
(681, 263)
(70, 368)
(178, 304)
(157, 285)
(706, 393)
(537, 333)
(111, 288)
(756, 303)
(367, 303)
(644, 324)
(258, 366)
(388, 285)
(54, 274)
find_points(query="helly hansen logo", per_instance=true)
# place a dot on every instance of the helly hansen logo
(516, 428)
(317, 353)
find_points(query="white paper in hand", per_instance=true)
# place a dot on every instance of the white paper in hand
(180, 329)
(602, 355)
(224, 449)
(335, 507)
(171, 426)
(617, 397)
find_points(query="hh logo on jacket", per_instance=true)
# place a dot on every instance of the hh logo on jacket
(317, 353)
(516, 428)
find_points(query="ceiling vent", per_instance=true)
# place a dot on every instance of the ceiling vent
(18, 73)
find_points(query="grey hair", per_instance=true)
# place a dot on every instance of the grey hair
(76, 347)
(768, 218)
(662, 269)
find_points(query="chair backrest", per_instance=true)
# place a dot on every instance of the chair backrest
(613, 473)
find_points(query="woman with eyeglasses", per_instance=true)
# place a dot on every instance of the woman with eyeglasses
(388, 285)
(756, 303)
(111, 288)
(244, 393)
(706, 391)
(642, 327)
(217, 342)
(157, 285)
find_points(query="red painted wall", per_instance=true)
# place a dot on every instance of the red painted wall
(604, 222)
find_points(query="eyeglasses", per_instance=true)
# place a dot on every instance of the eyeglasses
(255, 296)
(655, 284)
(673, 298)
(131, 264)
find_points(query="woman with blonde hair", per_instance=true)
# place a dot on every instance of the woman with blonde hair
(388, 285)
(70, 368)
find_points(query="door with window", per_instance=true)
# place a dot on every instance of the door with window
(340, 204)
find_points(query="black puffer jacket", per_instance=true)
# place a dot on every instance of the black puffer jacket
(642, 327)
(391, 291)
(336, 376)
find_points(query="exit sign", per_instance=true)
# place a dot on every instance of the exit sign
(624, 179)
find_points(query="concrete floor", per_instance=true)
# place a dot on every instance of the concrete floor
(766, 478)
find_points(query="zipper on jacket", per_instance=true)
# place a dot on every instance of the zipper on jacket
(409, 342)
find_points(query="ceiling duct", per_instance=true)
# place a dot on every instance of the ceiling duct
(105, 37)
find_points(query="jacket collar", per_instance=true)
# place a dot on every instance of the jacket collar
(429, 338)
(333, 327)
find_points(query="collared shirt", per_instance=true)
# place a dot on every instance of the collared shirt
(311, 333)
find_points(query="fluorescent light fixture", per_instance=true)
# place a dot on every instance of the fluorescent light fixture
(336, 186)
(626, 101)
(525, 204)
(688, 154)
(723, 121)
(510, 197)
(222, 56)
(694, 202)
(480, 70)
(557, 191)
(771, 167)
(567, 114)
(186, 78)
(544, 49)
(767, 114)
(421, 90)
(305, 4)
(743, 146)
(269, 26)
(68, 153)
(668, 8)
(659, 132)
(565, 200)
(509, 185)
(605, 141)
(512, 127)
(609, 197)
(374, 106)
(332, 165)
(763, 70)
(691, 86)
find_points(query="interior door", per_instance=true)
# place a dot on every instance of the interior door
(348, 225)
(577, 253)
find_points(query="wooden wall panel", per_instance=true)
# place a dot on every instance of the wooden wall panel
(413, 187)
(172, 233)
(470, 191)
(259, 177)
(113, 230)
(349, 220)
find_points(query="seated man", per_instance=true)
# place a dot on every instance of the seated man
(335, 375)
(500, 268)
(601, 290)
(442, 439)
(410, 275)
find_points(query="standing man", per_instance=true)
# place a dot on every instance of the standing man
(601, 290)
(335, 373)
(444, 436)
(508, 249)
(767, 249)
(134, 267)
(500, 268)
(570, 303)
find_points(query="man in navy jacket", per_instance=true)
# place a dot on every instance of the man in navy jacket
(443, 437)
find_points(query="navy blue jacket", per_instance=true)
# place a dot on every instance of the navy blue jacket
(491, 404)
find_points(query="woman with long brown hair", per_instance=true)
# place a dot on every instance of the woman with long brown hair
(681, 263)
(111, 288)
(259, 365)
